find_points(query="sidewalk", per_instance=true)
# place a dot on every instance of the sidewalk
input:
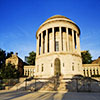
(26, 95)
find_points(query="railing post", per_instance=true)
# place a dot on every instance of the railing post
(35, 84)
(26, 84)
(77, 85)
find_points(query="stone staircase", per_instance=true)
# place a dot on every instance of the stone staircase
(62, 85)
(23, 85)
(54, 84)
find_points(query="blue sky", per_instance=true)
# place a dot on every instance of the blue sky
(20, 19)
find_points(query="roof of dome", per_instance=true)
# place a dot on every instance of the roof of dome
(58, 16)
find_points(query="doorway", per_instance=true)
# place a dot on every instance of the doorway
(57, 68)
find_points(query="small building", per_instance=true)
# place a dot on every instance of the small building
(91, 70)
(97, 61)
(29, 70)
(15, 60)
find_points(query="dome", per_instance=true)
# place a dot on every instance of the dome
(58, 17)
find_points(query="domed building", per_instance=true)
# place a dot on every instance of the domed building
(58, 48)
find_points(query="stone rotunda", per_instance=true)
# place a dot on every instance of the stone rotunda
(58, 48)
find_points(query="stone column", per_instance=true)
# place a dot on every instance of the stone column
(53, 40)
(67, 39)
(29, 72)
(24, 71)
(41, 42)
(37, 50)
(46, 41)
(78, 43)
(60, 42)
(96, 71)
(73, 42)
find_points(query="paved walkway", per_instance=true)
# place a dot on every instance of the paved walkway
(26, 95)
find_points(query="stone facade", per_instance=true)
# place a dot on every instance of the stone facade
(58, 48)
(58, 51)
(15, 60)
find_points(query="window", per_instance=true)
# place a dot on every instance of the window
(57, 46)
(78, 67)
(72, 66)
(84, 72)
(44, 35)
(28, 72)
(63, 64)
(37, 68)
(42, 68)
(49, 32)
(25, 72)
(9, 62)
(51, 64)
(39, 43)
(75, 40)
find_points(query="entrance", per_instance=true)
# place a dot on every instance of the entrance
(57, 70)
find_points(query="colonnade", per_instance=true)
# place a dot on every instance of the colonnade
(29, 71)
(88, 72)
(68, 40)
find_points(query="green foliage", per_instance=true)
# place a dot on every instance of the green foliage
(9, 72)
(31, 58)
(2, 57)
(86, 57)
(9, 54)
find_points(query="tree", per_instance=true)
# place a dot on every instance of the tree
(86, 57)
(9, 72)
(31, 58)
(9, 54)
(2, 57)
